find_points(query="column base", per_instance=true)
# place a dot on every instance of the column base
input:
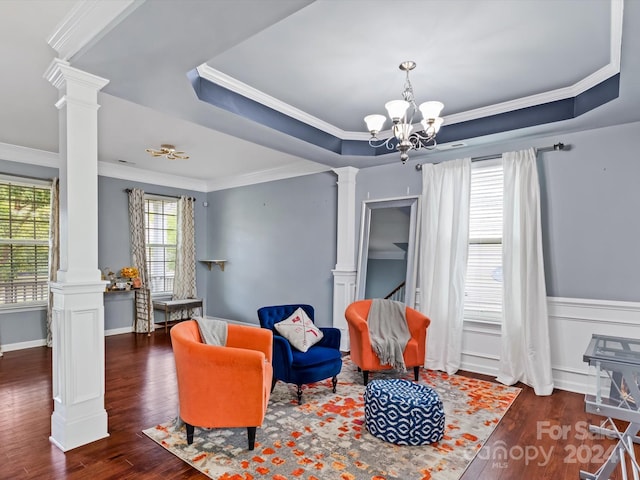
(67, 435)
(344, 292)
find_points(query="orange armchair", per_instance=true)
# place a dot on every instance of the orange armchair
(360, 344)
(223, 386)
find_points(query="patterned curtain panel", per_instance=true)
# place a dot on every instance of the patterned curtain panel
(139, 260)
(184, 284)
(54, 249)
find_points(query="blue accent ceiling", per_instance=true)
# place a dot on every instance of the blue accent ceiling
(550, 112)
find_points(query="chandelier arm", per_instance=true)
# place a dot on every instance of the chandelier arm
(382, 143)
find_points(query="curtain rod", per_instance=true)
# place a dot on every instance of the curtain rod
(128, 190)
(553, 148)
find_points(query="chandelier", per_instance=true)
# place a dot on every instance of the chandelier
(401, 113)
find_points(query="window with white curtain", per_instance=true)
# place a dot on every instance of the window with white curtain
(25, 212)
(161, 215)
(483, 291)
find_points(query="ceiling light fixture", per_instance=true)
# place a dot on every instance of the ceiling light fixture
(401, 113)
(168, 151)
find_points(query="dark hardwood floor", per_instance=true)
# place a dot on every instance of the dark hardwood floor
(539, 437)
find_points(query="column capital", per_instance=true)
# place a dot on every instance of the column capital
(346, 174)
(60, 74)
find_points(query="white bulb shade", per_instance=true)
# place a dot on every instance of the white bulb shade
(434, 127)
(375, 122)
(396, 109)
(431, 109)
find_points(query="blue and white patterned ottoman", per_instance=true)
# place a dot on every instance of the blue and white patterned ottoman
(403, 412)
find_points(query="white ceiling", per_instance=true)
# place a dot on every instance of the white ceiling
(331, 62)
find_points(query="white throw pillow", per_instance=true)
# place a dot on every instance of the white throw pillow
(299, 330)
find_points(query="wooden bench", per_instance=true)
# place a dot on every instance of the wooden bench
(169, 306)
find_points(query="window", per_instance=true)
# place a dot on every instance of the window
(24, 240)
(483, 291)
(161, 238)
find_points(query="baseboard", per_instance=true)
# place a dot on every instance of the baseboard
(117, 331)
(23, 345)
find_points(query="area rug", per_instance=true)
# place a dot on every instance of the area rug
(325, 438)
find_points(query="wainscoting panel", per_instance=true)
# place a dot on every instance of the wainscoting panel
(572, 322)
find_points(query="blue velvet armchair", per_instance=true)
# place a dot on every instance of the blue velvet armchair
(320, 361)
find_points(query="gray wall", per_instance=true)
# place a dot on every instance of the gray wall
(114, 246)
(279, 237)
(591, 215)
(280, 242)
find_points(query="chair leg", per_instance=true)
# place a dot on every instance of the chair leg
(251, 433)
(274, 380)
(416, 372)
(299, 392)
(189, 433)
(334, 382)
(365, 376)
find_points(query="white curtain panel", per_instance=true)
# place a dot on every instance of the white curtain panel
(444, 237)
(525, 352)
(139, 258)
(184, 283)
(54, 250)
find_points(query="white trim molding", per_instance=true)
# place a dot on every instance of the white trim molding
(32, 156)
(86, 23)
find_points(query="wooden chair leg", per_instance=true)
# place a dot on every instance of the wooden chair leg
(190, 430)
(274, 380)
(299, 392)
(251, 433)
(334, 382)
(365, 376)
(416, 372)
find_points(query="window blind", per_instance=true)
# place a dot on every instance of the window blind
(161, 238)
(483, 290)
(24, 241)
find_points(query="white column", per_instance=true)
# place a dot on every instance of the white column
(79, 416)
(344, 275)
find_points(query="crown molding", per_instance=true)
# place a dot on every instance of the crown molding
(607, 71)
(107, 169)
(42, 158)
(17, 153)
(86, 23)
(270, 175)
(236, 86)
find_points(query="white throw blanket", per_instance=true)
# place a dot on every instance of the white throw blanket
(388, 331)
(212, 331)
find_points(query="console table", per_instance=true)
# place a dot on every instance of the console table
(616, 362)
(169, 306)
